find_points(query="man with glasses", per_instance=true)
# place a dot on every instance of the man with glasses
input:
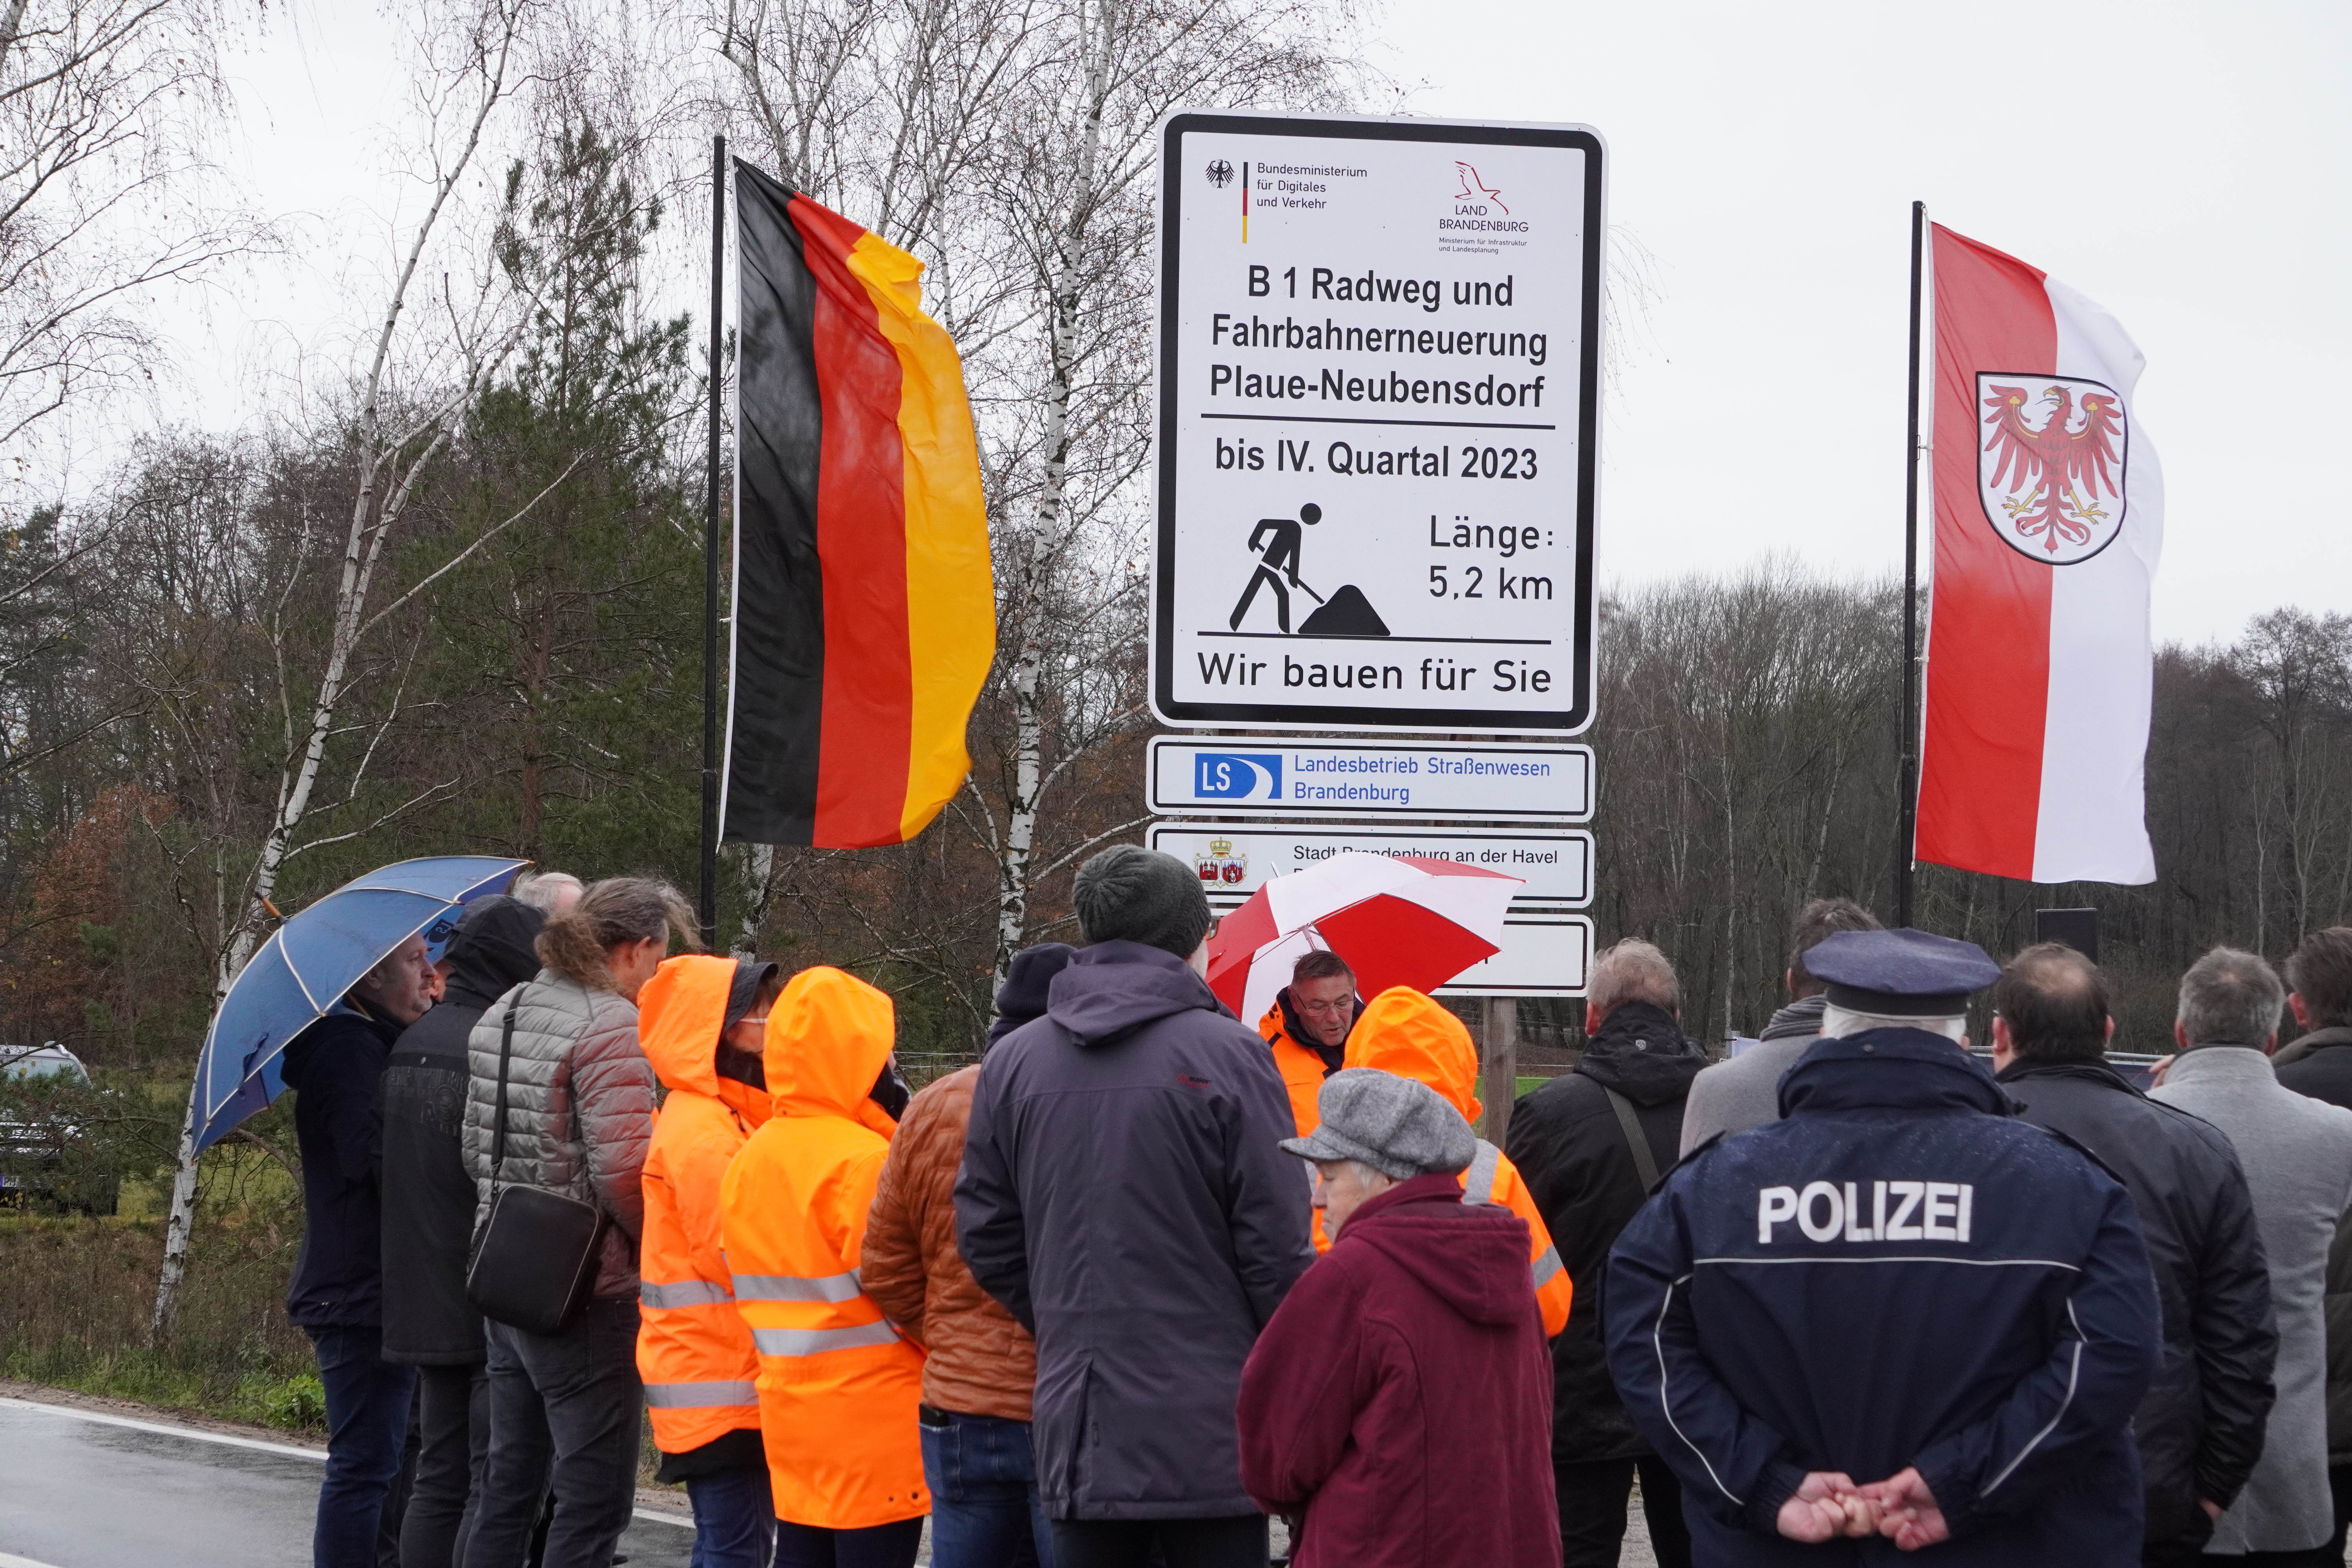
(1307, 1027)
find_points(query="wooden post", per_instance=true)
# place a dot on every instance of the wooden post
(1502, 1075)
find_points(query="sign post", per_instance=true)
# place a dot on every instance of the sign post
(1379, 351)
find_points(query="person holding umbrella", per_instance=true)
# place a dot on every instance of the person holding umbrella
(336, 1296)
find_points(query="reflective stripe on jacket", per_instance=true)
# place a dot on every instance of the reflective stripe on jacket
(1400, 1031)
(694, 1352)
(838, 1386)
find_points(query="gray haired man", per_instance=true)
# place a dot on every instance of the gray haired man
(2297, 1154)
(1733, 1096)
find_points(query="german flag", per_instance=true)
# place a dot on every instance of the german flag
(865, 614)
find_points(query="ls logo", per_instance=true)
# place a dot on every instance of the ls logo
(1237, 775)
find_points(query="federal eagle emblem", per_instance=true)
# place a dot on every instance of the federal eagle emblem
(2051, 470)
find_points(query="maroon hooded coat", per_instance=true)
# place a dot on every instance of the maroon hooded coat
(1401, 1396)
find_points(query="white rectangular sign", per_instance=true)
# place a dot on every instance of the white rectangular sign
(1265, 775)
(1379, 368)
(1237, 860)
(1542, 956)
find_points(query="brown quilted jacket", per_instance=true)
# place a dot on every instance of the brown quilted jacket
(982, 1363)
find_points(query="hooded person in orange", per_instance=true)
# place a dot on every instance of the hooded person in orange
(839, 1387)
(702, 1022)
(1403, 1032)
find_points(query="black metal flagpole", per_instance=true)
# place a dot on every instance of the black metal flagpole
(1908, 801)
(707, 901)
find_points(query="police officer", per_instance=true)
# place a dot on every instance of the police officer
(1897, 1317)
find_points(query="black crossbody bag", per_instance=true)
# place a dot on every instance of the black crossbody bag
(535, 1261)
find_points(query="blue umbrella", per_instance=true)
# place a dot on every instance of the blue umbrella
(311, 960)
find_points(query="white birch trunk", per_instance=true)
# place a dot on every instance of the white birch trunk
(1062, 330)
(760, 860)
(383, 496)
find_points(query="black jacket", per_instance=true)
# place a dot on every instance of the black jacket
(428, 1197)
(2199, 1429)
(1123, 1193)
(1571, 1149)
(1898, 1273)
(2315, 1066)
(332, 1067)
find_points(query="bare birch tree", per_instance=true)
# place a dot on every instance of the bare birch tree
(430, 356)
(1072, 184)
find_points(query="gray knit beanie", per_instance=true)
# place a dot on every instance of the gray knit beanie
(1399, 1126)
(1126, 894)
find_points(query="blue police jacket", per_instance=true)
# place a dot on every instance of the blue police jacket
(1898, 1274)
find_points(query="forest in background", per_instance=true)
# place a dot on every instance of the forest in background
(450, 602)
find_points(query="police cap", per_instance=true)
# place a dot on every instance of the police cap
(1901, 974)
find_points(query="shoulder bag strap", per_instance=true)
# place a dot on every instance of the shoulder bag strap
(499, 1136)
(1644, 1162)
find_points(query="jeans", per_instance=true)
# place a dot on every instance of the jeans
(564, 1414)
(734, 1519)
(367, 1426)
(983, 1478)
(1234, 1542)
(876, 1546)
(1592, 1498)
(454, 1416)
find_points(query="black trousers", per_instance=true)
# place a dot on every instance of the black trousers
(2339, 1481)
(1592, 1499)
(564, 1414)
(454, 1429)
(1236, 1542)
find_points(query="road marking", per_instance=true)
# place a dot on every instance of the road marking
(197, 1432)
(658, 1516)
(8, 1562)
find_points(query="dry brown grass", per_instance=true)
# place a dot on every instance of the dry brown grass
(75, 1300)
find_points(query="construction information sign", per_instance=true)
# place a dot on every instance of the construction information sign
(1267, 776)
(1378, 367)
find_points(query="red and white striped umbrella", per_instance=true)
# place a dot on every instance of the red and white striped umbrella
(1398, 920)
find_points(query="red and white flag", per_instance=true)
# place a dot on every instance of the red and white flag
(2049, 518)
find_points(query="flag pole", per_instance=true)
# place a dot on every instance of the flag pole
(1907, 802)
(705, 906)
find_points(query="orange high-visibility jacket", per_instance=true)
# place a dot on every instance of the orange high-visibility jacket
(838, 1386)
(1403, 1032)
(693, 1351)
(1302, 1069)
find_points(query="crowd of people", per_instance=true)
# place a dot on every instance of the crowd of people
(1142, 1279)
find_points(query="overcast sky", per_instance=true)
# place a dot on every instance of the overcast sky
(2187, 166)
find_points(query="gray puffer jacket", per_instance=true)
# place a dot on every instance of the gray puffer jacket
(579, 1108)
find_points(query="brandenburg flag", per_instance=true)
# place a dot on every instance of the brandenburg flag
(865, 616)
(2048, 520)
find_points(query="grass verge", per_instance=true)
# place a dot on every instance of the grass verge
(75, 1296)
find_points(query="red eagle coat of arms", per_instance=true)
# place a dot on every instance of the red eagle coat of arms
(2050, 468)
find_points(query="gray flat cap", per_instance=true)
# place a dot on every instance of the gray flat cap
(1399, 1126)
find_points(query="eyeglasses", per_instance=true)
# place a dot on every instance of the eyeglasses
(1321, 1007)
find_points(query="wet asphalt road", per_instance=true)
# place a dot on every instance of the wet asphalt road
(79, 1491)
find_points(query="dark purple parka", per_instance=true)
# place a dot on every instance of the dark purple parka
(1122, 1193)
